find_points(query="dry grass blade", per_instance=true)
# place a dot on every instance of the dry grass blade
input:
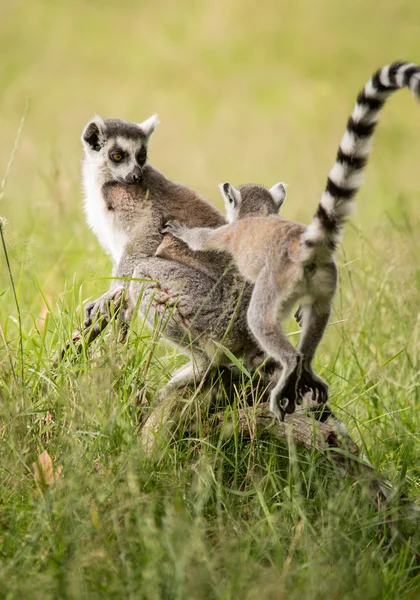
(44, 472)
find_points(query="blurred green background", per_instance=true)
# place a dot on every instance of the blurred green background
(247, 92)
(251, 92)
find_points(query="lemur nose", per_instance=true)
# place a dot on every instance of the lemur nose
(134, 177)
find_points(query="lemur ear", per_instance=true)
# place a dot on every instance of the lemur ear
(278, 193)
(232, 198)
(231, 195)
(94, 133)
(149, 125)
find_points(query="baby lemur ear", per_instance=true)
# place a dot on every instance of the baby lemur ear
(278, 193)
(231, 195)
(232, 198)
(149, 125)
(94, 134)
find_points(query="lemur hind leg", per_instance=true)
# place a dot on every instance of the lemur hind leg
(192, 373)
(268, 304)
(314, 321)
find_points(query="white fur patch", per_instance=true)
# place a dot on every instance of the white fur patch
(415, 85)
(278, 193)
(338, 173)
(101, 126)
(344, 207)
(400, 75)
(337, 238)
(231, 207)
(328, 202)
(98, 217)
(149, 125)
(362, 112)
(345, 176)
(334, 207)
(314, 231)
(355, 146)
(99, 120)
(384, 76)
(129, 146)
(372, 92)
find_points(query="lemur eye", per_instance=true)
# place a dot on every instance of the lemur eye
(142, 156)
(116, 156)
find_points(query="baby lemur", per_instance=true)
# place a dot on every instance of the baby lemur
(290, 262)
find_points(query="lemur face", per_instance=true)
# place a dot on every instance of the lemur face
(117, 149)
(252, 200)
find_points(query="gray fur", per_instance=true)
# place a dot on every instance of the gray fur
(201, 300)
(252, 199)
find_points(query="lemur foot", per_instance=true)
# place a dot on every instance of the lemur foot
(286, 394)
(299, 316)
(175, 228)
(100, 307)
(311, 382)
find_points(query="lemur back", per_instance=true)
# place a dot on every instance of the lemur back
(291, 262)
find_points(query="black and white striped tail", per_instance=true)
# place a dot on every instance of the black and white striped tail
(346, 176)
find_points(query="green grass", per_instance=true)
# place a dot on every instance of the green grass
(245, 92)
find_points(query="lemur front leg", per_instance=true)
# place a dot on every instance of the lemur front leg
(196, 238)
(102, 305)
(267, 303)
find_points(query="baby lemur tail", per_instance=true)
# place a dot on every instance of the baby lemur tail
(345, 178)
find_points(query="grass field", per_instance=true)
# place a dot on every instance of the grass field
(245, 92)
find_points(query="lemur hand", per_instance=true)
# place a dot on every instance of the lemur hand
(310, 382)
(175, 228)
(101, 306)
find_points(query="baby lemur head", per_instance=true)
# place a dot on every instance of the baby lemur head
(117, 150)
(252, 200)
